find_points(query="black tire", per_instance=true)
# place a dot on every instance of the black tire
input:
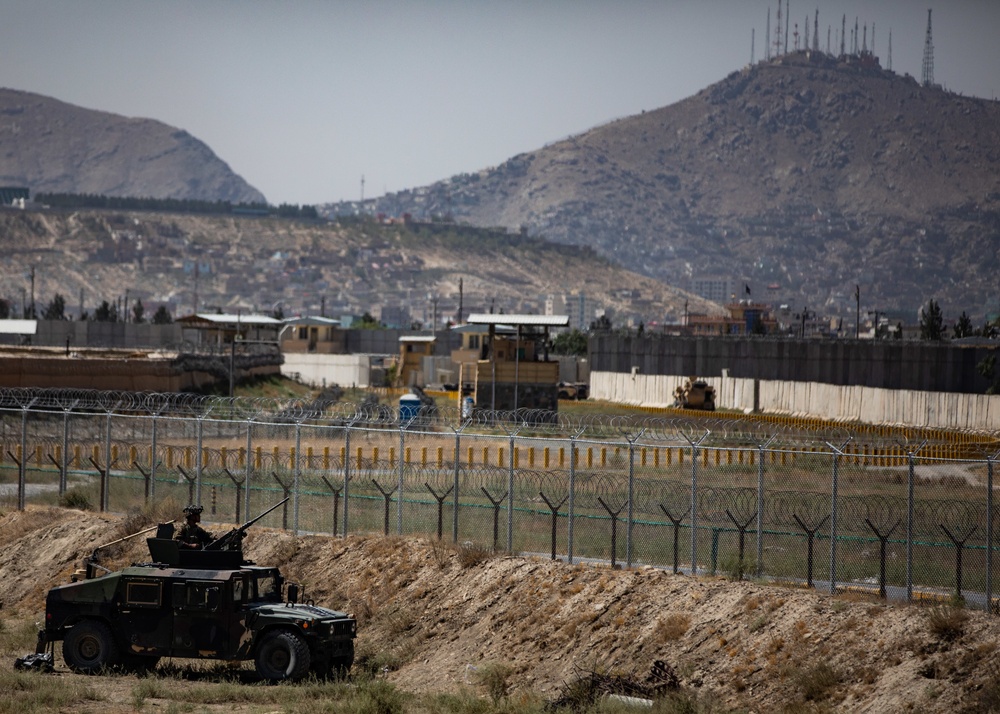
(283, 656)
(89, 647)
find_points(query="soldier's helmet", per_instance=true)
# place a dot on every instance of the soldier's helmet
(193, 510)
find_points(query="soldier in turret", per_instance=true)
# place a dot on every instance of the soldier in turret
(191, 534)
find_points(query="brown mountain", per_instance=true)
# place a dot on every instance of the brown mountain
(53, 147)
(807, 174)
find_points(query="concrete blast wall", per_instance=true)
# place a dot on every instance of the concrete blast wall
(826, 401)
(321, 370)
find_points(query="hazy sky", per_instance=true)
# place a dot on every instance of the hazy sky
(303, 97)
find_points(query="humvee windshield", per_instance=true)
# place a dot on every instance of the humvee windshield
(266, 588)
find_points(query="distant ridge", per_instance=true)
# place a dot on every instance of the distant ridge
(803, 177)
(54, 147)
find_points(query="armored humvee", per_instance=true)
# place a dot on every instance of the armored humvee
(206, 604)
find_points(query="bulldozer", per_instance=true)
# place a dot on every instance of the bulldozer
(695, 394)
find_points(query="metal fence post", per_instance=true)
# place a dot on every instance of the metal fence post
(64, 466)
(454, 513)
(510, 498)
(630, 515)
(989, 533)
(399, 481)
(106, 493)
(297, 478)
(572, 498)
(22, 466)
(909, 530)
(249, 468)
(911, 454)
(198, 461)
(694, 508)
(152, 459)
(760, 510)
(347, 472)
(834, 482)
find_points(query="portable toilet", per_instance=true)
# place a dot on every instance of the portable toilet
(409, 407)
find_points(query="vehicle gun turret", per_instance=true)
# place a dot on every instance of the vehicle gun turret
(233, 539)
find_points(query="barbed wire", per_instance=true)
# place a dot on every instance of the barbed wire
(664, 430)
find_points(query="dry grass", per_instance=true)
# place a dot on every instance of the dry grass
(672, 627)
(946, 622)
(470, 554)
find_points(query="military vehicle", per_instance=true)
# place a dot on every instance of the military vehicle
(205, 604)
(695, 394)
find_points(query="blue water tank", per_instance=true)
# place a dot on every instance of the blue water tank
(409, 407)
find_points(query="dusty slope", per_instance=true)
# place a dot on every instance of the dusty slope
(431, 615)
(356, 268)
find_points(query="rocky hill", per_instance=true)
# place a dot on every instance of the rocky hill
(245, 263)
(53, 147)
(808, 174)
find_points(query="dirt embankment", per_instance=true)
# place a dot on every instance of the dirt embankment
(431, 615)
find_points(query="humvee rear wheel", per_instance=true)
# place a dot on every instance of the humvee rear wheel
(89, 647)
(283, 656)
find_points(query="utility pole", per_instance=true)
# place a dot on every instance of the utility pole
(857, 321)
(32, 316)
(875, 331)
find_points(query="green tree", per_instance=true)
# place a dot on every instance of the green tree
(138, 312)
(162, 316)
(106, 312)
(56, 309)
(964, 328)
(932, 322)
(573, 342)
(987, 368)
(368, 322)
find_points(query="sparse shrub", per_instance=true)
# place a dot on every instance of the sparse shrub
(495, 679)
(987, 699)
(372, 664)
(817, 681)
(946, 622)
(133, 522)
(75, 498)
(471, 555)
(758, 624)
(442, 554)
(736, 568)
(379, 697)
(682, 703)
(672, 627)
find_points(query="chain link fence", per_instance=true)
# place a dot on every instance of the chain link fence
(895, 513)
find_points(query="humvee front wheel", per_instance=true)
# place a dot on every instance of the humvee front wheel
(283, 656)
(89, 647)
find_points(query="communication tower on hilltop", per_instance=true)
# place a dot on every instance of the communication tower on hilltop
(777, 33)
(927, 75)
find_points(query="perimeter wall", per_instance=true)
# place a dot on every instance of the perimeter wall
(870, 405)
